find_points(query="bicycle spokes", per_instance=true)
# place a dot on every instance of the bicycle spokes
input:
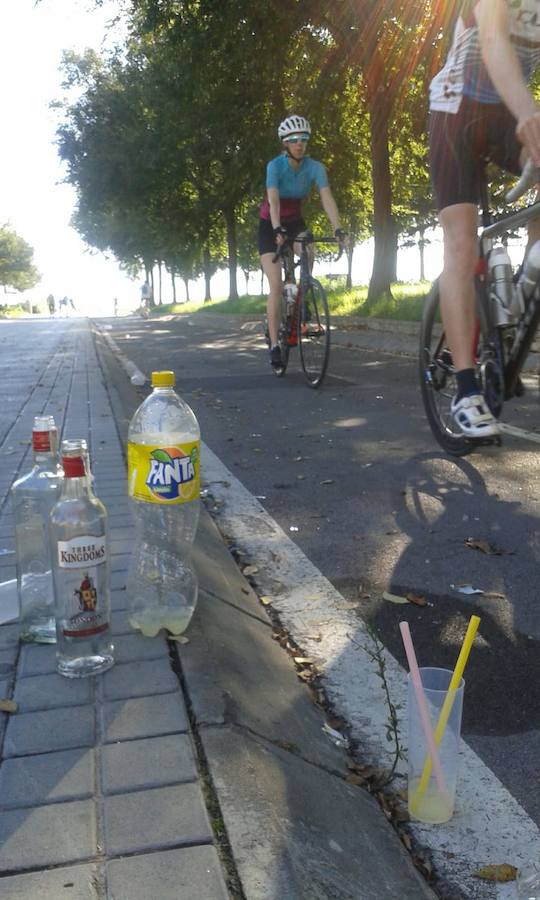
(314, 333)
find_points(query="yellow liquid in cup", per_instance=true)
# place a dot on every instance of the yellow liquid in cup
(432, 806)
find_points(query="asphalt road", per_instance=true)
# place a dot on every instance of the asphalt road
(379, 508)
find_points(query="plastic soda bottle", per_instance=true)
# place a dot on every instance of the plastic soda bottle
(33, 497)
(81, 570)
(164, 487)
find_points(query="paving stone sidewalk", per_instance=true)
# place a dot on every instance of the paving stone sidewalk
(106, 792)
(100, 794)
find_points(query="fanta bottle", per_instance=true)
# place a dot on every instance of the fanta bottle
(164, 488)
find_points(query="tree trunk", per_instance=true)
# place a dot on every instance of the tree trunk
(207, 274)
(173, 282)
(230, 222)
(384, 230)
(186, 285)
(160, 296)
(421, 248)
(350, 250)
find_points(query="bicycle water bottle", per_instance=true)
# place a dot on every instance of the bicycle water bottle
(530, 276)
(291, 290)
(500, 276)
(164, 487)
(33, 497)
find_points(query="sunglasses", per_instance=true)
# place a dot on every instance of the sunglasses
(297, 139)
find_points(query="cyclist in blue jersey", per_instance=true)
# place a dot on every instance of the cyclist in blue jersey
(289, 178)
(481, 109)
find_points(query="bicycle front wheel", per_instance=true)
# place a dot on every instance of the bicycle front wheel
(438, 382)
(314, 333)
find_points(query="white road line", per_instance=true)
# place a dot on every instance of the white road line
(489, 825)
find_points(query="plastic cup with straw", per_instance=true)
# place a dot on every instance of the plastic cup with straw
(446, 709)
(422, 706)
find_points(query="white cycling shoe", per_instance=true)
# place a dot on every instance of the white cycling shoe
(474, 417)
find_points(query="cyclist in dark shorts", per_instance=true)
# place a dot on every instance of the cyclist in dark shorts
(480, 109)
(289, 178)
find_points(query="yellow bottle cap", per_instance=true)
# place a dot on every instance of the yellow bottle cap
(163, 379)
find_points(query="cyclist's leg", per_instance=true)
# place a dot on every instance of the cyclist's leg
(267, 249)
(272, 270)
(458, 146)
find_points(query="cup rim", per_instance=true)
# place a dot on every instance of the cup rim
(433, 690)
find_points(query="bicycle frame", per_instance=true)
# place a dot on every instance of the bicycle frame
(528, 323)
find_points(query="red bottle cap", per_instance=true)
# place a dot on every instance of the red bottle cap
(73, 467)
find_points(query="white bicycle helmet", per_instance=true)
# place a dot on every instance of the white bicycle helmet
(293, 125)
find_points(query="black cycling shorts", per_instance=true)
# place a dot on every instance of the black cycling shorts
(461, 144)
(266, 239)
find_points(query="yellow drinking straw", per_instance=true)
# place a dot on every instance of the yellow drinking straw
(448, 701)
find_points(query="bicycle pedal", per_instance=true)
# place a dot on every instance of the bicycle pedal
(495, 440)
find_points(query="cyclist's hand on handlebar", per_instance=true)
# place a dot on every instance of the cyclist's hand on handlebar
(280, 234)
(528, 133)
(340, 236)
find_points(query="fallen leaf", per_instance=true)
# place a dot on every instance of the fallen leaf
(250, 570)
(483, 546)
(8, 706)
(417, 599)
(354, 778)
(394, 598)
(303, 661)
(179, 638)
(328, 481)
(266, 601)
(503, 872)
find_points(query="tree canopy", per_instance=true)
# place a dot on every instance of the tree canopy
(166, 141)
(17, 269)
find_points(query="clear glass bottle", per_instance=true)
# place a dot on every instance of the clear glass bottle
(164, 487)
(33, 497)
(81, 570)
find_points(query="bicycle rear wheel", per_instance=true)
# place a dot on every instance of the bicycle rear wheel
(314, 333)
(438, 378)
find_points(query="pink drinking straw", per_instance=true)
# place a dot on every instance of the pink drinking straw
(422, 705)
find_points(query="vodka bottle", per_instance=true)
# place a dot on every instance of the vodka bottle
(164, 487)
(33, 497)
(81, 570)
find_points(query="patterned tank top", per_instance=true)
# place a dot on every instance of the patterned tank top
(464, 73)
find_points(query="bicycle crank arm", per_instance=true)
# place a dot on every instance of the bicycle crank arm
(519, 432)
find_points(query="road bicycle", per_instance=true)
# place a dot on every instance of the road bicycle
(304, 314)
(500, 347)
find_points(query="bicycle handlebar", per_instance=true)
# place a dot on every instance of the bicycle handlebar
(529, 176)
(307, 239)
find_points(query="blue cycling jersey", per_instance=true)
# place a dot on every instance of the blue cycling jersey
(295, 182)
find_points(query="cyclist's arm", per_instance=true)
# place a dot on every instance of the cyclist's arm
(273, 201)
(330, 207)
(505, 72)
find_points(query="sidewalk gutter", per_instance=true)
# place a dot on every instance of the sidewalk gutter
(295, 828)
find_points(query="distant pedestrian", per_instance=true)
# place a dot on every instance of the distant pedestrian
(64, 306)
(146, 294)
(115, 302)
(51, 304)
(71, 303)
